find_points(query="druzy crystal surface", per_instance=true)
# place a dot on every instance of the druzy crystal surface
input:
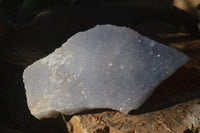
(104, 67)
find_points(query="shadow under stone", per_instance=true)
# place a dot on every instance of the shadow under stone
(181, 87)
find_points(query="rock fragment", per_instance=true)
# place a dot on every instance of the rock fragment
(105, 67)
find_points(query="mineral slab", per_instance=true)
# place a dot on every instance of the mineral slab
(104, 67)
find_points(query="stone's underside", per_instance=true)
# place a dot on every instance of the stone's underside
(104, 67)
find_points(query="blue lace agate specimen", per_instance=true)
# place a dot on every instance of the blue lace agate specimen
(104, 67)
